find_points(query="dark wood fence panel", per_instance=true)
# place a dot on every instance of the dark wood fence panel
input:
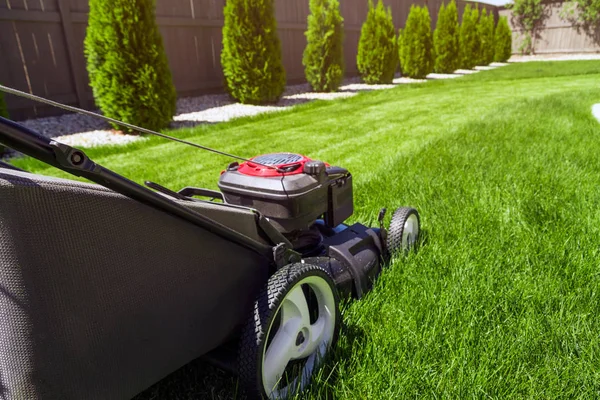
(41, 45)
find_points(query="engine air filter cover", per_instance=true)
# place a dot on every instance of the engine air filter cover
(287, 163)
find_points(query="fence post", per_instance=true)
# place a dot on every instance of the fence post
(77, 72)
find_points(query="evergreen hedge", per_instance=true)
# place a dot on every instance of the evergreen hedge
(477, 42)
(251, 55)
(127, 65)
(503, 41)
(323, 58)
(377, 58)
(446, 39)
(416, 52)
(486, 36)
(468, 38)
(399, 47)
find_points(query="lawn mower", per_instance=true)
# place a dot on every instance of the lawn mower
(107, 288)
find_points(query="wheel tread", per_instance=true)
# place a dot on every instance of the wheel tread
(255, 330)
(397, 228)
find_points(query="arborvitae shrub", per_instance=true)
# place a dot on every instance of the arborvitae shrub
(416, 54)
(323, 58)
(377, 52)
(399, 47)
(446, 40)
(503, 41)
(468, 39)
(491, 29)
(251, 55)
(477, 41)
(486, 37)
(128, 69)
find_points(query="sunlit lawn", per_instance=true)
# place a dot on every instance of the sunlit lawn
(502, 300)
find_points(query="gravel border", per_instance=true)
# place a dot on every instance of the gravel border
(86, 131)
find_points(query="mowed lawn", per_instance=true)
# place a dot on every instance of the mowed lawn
(502, 299)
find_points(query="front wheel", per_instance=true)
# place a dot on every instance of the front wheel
(294, 324)
(404, 230)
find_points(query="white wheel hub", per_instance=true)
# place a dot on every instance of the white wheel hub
(296, 339)
(410, 233)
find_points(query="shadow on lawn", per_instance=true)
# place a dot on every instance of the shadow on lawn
(196, 380)
(200, 380)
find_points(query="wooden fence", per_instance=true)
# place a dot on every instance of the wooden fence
(556, 34)
(41, 45)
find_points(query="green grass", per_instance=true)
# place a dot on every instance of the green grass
(502, 299)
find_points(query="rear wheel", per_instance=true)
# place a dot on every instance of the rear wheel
(294, 324)
(404, 231)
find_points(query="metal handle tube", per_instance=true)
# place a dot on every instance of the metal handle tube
(26, 141)
(34, 145)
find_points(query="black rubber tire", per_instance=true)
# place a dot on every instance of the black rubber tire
(254, 334)
(394, 238)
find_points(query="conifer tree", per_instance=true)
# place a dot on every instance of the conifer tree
(503, 41)
(377, 58)
(491, 29)
(486, 36)
(446, 39)
(477, 42)
(416, 54)
(127, 65)
(251, 55)
(468, 39)
(399, 47)
(323, 58)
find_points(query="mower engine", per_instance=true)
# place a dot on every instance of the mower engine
(292, 196)
(308, 202)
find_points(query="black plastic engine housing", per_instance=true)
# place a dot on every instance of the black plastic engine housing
(293, 202)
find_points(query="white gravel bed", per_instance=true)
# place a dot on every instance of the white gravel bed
(555, 57)
(443, 76)
(319, 96)
(66, 124)
(498, 64)
(98, 138)
(364, 86)
(403, 80)
(466, 71)
(225, 113)
(220, 107)
(484, 67)
(596, 111)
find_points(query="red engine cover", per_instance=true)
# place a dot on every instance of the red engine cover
(291, 163)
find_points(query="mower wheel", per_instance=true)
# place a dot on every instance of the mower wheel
(404, 230)
(294, 324)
